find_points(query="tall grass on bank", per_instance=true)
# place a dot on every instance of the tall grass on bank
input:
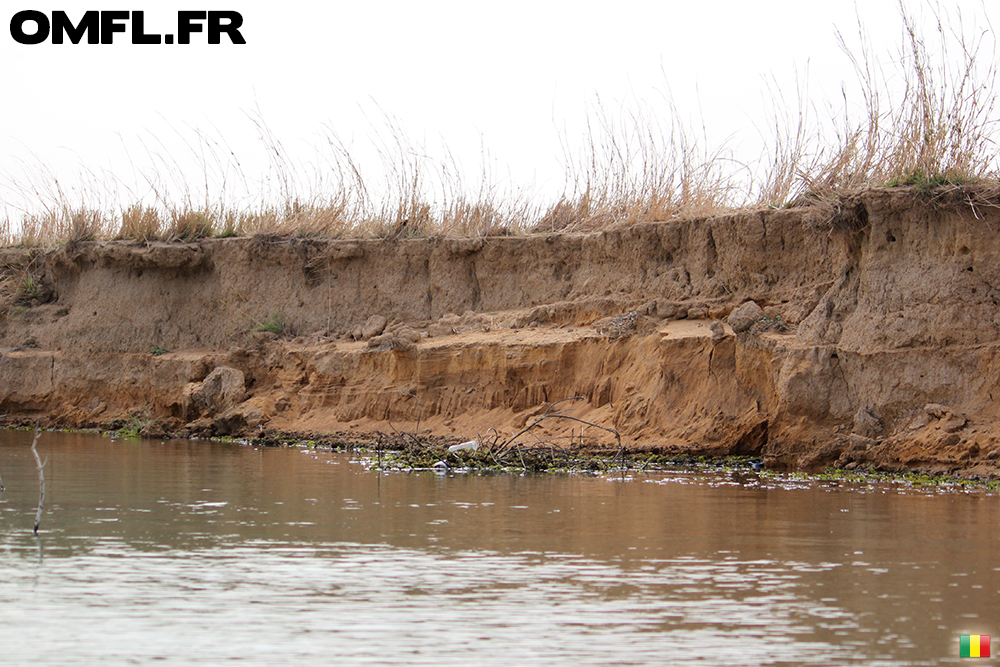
(929, 119)
(942, 128)
(633, 170)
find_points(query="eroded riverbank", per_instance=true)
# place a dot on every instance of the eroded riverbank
(875, 346)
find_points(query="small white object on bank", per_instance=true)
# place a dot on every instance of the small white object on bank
(470, 444)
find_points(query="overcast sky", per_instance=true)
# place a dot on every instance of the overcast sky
(515, 78)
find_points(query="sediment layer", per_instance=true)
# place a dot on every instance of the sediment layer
(877, 343)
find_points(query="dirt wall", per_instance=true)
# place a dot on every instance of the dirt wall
(876, 343)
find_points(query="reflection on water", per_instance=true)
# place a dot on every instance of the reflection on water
(179, 552)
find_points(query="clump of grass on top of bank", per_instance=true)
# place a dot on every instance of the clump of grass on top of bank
(940, 131)
(937, 130)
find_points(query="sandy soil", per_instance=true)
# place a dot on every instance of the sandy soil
(876, 342)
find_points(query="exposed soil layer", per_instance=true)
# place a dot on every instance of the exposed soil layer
(876, 342)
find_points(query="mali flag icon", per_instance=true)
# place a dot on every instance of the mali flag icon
(974, 646)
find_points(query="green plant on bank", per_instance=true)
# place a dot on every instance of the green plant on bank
(273, 324)
(29, 288)
(927, 183)
(158, 351)
(18, 286)
(133, 426)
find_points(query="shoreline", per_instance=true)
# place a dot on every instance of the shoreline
(384, 453)
(851, 336)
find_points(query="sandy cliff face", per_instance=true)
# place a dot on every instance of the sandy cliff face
(877, 343)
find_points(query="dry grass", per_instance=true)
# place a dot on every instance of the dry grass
(141, 223)
(938, 128)
(634, 170)
(19, 285)
(10, 291)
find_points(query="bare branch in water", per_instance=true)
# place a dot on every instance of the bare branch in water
(41, 479)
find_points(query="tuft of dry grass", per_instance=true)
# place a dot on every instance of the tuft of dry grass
(190, 225)
(141, 223)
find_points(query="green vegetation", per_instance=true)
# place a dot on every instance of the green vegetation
(528, 459)
(132, 428)
(928, 183)
(273, 324)
(29, 288)
(18, 287)
(400, 452)
(906, 477)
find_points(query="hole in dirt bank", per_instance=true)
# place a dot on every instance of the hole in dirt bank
(850, 217)
(752, 442)
(964, 250)
(712, 255)
(889, 237)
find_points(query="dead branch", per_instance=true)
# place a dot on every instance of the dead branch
(538, 421)
(497, 449)
(41, 479)
(530, 450)
(550, 415)
(420, 412)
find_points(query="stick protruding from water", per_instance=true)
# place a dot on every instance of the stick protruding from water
(41, 479)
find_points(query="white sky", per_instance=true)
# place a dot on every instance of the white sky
(514, 77)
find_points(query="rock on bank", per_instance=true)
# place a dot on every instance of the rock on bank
(875, 341)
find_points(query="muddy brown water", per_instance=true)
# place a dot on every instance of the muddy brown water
(207, 553)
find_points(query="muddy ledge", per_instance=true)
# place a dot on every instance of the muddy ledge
(875, 342)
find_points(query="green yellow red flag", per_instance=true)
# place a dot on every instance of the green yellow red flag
(974, 646)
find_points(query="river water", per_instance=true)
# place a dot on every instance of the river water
(181, 553)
